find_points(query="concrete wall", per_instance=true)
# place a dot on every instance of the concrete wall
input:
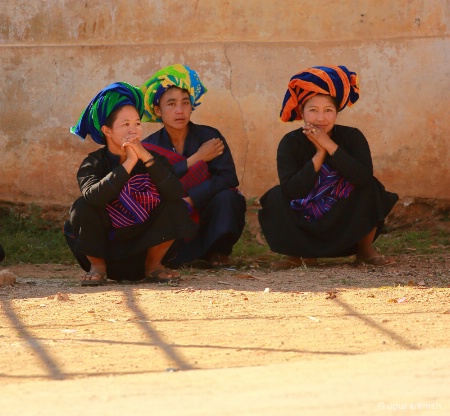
(56, 54)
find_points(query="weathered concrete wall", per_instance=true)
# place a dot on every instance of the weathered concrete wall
(56, 54)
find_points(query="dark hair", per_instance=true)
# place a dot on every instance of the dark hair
(335, 103)
(157, 102)
(333, 100)
(109, 121)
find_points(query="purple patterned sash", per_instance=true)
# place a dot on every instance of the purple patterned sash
(196, 174)
(135, 202)
(329, 187)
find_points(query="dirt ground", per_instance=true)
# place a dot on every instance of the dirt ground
(51, 328)
(247, 315)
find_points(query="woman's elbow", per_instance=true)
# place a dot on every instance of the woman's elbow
(362, 179)
(291, 193)
(93, 198)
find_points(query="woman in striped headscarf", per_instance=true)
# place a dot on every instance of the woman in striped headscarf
(328, 203)
(202, 160)
(131, 209)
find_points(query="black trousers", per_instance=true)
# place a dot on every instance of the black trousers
(89, 233)
(221, 225)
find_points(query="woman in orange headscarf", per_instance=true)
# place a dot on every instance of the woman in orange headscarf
(328, 203)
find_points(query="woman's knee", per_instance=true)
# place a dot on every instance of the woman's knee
(230, 197)
(80, 208)
(83, 213)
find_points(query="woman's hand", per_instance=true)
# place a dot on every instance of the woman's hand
(189, 201)
(131, 158)
(140, 151)
(323, 143)
(210, 149)
(319, 139)
(135, 145)
(134, 152)
(207, 152)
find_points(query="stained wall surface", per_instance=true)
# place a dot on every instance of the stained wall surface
(55, 55)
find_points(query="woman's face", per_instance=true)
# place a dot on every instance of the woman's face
(126, 126)
(320, 111)
(174, 108)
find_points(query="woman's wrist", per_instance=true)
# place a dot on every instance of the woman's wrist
(192, 160)
(321, 153)
(318, 159)
(128, 165)
(149, 161)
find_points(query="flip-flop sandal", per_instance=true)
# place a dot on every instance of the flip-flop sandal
(219, 261)
(95, 279)
(377, 261)
(290, 264)
(155, 276)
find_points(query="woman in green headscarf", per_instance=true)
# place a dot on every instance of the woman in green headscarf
(131, 209)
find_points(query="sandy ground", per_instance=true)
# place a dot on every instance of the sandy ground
(394, 382)
(246, 319)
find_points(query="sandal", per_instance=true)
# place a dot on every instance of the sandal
(217, 260)
(291, 263)
(155, 276)
(93, 279)
(377, 261)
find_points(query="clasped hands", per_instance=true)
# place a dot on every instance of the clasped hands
(134, 149)
(321, 140)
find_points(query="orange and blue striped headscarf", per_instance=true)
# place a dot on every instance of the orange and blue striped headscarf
(112, 97)
(177, 75)
(336, 81)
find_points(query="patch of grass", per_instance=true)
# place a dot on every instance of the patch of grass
(413, 241)
(27, 238)
(247, 246)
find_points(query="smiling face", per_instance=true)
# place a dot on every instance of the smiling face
(174, 108)
(124, 124)
(321, 112)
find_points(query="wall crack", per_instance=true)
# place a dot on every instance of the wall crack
(241, 180)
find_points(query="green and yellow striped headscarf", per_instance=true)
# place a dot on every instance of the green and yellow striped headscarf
(177, 75)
